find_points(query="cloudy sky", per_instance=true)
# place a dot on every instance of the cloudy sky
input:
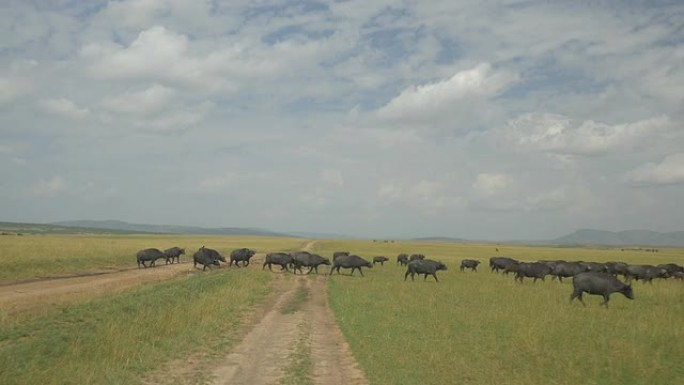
(474, 119)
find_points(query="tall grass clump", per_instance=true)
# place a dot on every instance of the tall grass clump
(116, 340)
(484, 328)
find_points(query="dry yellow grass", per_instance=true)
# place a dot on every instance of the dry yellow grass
(50, 255)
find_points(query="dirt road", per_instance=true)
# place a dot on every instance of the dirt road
(297, 332)
(293, 332)
(56, 291)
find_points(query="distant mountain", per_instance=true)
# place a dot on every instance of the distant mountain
(18, 228)
(314, 235)
(621, 238)
(439, 239)
(167, 229)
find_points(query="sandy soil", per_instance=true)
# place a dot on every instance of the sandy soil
(278, 326)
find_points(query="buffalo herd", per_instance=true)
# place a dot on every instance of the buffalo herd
(593, 278)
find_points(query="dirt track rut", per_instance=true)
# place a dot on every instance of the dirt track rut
(296, 319)
(266, 352)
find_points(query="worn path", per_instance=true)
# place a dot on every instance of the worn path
(295, 320)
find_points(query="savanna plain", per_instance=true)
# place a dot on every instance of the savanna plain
(468, 328)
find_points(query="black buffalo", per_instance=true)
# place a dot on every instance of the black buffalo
(595, 267)
(671, 268)
(338, 254)
(312, 261)
(599, 284)
(616, 268)
(280, 259)
(241, 255)
(469, 264)
(349, 262)
(536, 270)
(149, 255)
(645, 273)
(414, 257)
(402, 259)
(500, 263)
(173, 254)
(380, 259)
(424, 266)
(512, 267)
(567, 269)
(207, 257)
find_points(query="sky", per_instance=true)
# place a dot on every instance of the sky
(488, 120)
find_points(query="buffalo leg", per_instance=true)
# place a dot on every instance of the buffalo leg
(434, 275)
(606, 298)
(577, 295)
(361, 271)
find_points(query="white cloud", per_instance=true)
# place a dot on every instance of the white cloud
(145, 102)
(50, 188)
(669, 171)
(561, 135)
(12, 88)
(64, 107)
(215, 184)
(449, 96)
(428, 196)
(211, 65)
(491, 184)
(333, 177)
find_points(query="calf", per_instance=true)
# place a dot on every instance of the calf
(380, 260)
(599, 284)
(173, 253)
(402, 259)
(424, 266)
(469, 264)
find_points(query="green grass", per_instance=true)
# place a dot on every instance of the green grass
(298, 372)
(301, 295)
(116, 340)
(46, 255)
(483, 328)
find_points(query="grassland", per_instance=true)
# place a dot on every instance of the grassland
(470, 328)
(119, 338)
(483, 328)
(33, 256)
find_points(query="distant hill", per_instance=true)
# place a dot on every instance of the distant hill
(17, 228)
(621, 238)
(120, 226)
(439, 239)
